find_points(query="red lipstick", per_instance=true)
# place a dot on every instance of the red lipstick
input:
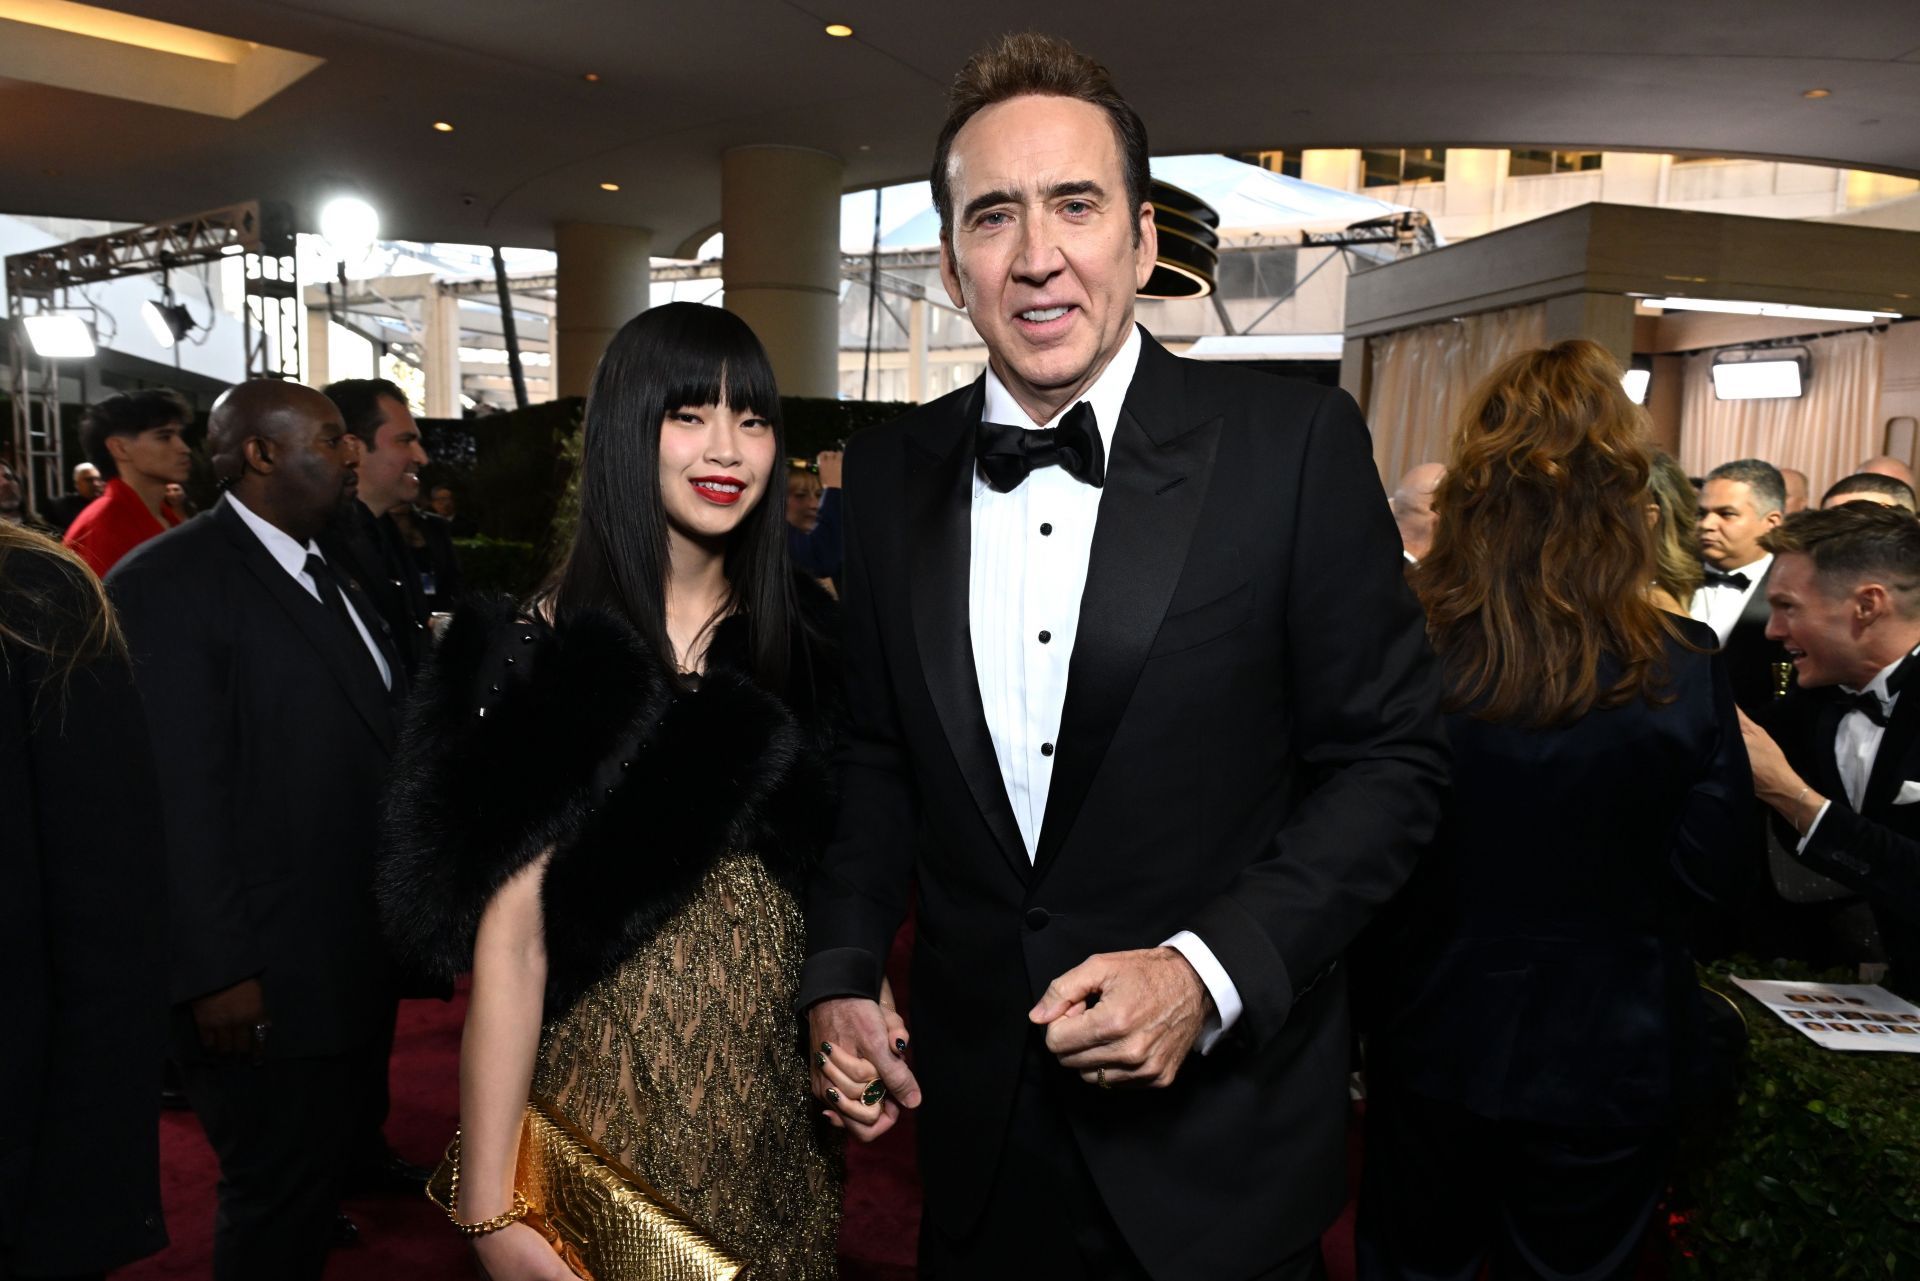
(721, 491)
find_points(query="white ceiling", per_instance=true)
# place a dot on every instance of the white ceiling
(682, 81)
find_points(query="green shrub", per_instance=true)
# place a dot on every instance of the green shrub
(490, 566)
(1815, 1171)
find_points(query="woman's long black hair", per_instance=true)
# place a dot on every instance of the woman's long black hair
(678, 354)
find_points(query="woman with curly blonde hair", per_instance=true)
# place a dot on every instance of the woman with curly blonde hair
(1677, 574)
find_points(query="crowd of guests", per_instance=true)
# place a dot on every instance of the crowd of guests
(1176, 805)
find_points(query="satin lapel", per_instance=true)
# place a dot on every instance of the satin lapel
(940, 485)
(1756, 611)
(1156, 483)
(353, 672)
(1890, 762)
(1825, 765)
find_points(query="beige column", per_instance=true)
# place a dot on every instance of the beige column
(603, 279)
(780, 216)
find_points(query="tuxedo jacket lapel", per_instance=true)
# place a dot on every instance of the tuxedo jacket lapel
(1890, 762)
(355, 673)
(1156, 483)
(940, 478)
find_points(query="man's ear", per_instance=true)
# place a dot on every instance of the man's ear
(118, 446)
(1870, 601)
(256, 454)
(950, 272)
(1774, 518)
(1148, 252)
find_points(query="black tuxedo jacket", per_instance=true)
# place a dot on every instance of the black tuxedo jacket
(1877, 849)
(1249, 749)
(1536, 969)
(1759, 668)
(369, 548)
(273, 736)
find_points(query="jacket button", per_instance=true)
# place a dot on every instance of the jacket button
(1037, 918)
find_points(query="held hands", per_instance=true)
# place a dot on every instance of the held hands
(233, 1021)
(869, 1043)
(1125, 1018)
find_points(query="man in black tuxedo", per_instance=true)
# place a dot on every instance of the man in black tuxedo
(1142, 704)
(1740, 504)
(269, 685)
(1845, 594)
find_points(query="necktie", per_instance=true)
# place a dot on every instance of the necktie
(1716, 578)
(1008, 455)
(336, 604)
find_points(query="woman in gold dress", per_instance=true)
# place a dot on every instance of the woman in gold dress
(607, 802)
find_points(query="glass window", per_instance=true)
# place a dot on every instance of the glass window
(1384, 168)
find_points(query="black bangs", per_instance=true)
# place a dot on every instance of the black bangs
(667, 357)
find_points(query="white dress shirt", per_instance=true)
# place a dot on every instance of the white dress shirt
(1031, 548)
(292, 557)
(1719, 605)
(1856, 745)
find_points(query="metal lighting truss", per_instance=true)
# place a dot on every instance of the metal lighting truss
(259, 232)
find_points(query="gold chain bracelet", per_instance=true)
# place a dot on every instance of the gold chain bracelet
(484, 1226)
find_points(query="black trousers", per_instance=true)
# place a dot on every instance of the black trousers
(1044, 1216)
(1445, 1191)
(281, 1131)
(367, 1145)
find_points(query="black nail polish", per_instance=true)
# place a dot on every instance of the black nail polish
(900, 1044)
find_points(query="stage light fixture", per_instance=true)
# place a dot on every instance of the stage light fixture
(1635, 381)
(441, 126)
(839, 30)
(60, 336)
(1761, 373)
(168, 321)
(609, 186)
(350, 226)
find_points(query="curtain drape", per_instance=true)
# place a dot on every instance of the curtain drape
(1825, 433)
(1422, 377)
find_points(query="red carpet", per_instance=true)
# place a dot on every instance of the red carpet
(409, 1240)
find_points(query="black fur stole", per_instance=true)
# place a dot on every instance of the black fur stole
(524, 737)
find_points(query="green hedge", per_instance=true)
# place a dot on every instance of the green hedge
(1815, 1172)
(494, 565)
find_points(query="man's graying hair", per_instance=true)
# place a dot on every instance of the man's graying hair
(1030, 63)
(1857, 543)
(1763, 478)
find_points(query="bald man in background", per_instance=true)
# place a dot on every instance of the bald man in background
(1888, 465)
(1412, 505)
(270, 691)
(1797, 490)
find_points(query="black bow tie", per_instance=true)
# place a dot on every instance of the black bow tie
(1008, 454)
(1868, 703)
(1717, 578)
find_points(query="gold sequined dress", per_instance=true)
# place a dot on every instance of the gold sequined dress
(686, 1064)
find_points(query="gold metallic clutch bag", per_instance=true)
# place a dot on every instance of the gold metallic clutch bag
(604, 1221)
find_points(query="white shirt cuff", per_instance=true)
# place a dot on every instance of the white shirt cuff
(1226, 997)
(1812, 827)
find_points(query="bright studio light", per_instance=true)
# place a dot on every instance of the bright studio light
(1636, 381)
(166, 320)
(349, 225)
(60, 337)
(1757, 380)
(1788, 311)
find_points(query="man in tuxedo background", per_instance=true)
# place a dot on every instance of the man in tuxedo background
(269, 687)
(1869, 487)
(1845, 598)
(1740, 503)
(1142, 704)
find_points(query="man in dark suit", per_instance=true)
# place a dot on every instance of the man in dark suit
(362, 538)
(1846, 606)
(1740, 504)
(269, 684)
(1141, 702)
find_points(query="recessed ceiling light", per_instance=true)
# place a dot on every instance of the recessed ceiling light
(592, 77)
(609, 186)
(1818, 93)
(839, 30)
(442, 126)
